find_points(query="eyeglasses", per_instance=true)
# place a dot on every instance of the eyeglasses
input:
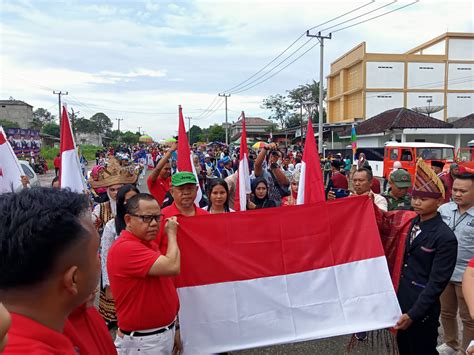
(148, 218)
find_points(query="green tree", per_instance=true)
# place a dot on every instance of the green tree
(216, 133)
(195, 133)
(41, 117)
(281, 108)
(8, 124)
(308, 96)
(129, 137)
(102, 123)
(83, 125)
(51, 128)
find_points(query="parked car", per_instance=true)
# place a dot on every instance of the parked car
(28, 171)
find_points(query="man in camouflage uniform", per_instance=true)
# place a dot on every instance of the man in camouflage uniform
(397, 195)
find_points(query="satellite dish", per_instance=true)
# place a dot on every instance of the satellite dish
(428, 109)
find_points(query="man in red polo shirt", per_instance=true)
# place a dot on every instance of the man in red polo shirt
(146, 300)
(48, 266)
(159, 181)
(183, 190)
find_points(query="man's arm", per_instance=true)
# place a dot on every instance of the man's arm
(154, 174)
(261, 157)
(280, 176)
(169, 264)
(468, 289)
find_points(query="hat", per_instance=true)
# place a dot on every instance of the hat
(207, 156)
(183, 178)
(114, 174)
(226, 160)
(427, 183)
(401, 178)
(437, 163)
(453, 166)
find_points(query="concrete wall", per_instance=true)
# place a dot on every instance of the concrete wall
(89, 138)
(425, 76)
(385, 75)
(419, 99)
(21, 114)
(377, 102)
(461, 49)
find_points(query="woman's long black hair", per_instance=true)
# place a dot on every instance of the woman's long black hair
(214, 183)
(120, 217)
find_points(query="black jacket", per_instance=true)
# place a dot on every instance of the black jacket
(428, 264)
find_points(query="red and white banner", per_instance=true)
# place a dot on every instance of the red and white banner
(311, 185)
(10, 169)
(250, 279)
(70, 173)
(243, 175)
(185, 155)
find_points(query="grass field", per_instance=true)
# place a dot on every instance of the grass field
(50, 153)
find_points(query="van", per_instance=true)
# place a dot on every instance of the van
(408, 153)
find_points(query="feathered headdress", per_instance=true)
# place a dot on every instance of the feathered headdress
(427, 183)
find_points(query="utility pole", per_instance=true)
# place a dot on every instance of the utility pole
(139, 130)
(301, 114)
(321, 39)
(225, 96)
(189, 128)
(59, 93)
(118, 127)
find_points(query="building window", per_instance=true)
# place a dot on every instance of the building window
(384, 67)
(425, 96)
(426, 68)
(384, 96)
(463, 97)
(464, 68)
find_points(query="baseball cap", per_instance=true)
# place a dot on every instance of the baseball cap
(183, 178)
(401, 178)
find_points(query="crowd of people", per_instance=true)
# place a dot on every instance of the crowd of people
(62, 298)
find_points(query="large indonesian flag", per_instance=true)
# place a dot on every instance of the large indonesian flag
(311, 185)
(250, 279)
(10, 169)
(185, 155)
(243, 175)
(70, 174)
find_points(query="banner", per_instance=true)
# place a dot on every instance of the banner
(24, 141)
(249, 279)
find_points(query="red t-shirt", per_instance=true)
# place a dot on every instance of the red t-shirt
(375, 186)
(141, 301)
(339, 181)
(57, 162)
(159, 188)
(87, 331)
(27, 336)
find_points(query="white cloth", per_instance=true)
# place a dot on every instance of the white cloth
(147, 345)
(109, 235)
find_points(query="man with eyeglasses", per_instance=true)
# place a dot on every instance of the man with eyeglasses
(146, 300)
(183, 190)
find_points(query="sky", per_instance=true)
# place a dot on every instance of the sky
(138, 60)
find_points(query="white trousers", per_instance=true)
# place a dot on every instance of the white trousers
(146, 345)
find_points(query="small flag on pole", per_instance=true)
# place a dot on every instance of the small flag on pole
(311, 185)
(353, 141)
(70, 174)
(185, 155)
(10, 169)
(243, 175)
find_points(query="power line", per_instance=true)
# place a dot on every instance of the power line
(293, 43)
(372, 18)
(362, 15)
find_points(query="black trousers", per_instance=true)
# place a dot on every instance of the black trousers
(419, 339)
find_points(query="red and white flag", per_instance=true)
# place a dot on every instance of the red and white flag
(264, 281)
(10, 169)
(242, 186)
(70, 173)
(185, 155)
(311, 185)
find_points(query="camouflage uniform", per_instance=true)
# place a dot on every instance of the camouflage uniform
(403, 203)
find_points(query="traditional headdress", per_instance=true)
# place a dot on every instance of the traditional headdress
(427, 183)
(113, 174)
